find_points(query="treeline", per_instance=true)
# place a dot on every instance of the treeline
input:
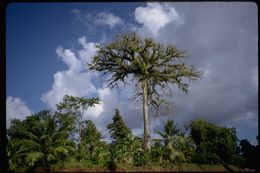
(48, 140)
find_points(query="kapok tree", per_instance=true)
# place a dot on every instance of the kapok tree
(151, 65)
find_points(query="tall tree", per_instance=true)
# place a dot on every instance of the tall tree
(151, 65)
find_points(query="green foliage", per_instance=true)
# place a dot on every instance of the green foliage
(214, 144)
(142, 158)
(118, 129)
(157, 151)
(90, 134)
(70, 116)
(127, 151)
(170, 130)
(124, 145)
(14, 154)
(43, 140)
(177, 147)
(249, 153)
(73, 103)
(144, 59)
(70, 111)
(40, 143)
(91, 146)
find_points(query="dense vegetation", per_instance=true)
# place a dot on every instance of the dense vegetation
(54, 140)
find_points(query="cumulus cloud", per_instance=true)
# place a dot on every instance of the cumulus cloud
(222, 43)
(90, 20)
(88, 51)
(16, 108)
(108, 19)
(155, 16)
(73, 81)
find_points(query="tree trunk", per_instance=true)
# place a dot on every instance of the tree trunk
(145, 114)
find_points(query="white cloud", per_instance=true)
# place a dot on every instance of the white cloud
(109, 19)
(69, 58)
(73, 81)
(155, 16)
(16, 108)
(95, 111)
(89, 50)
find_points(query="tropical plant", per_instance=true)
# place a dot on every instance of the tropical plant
(153, 67)
(90, 140)
(43, 143)
(118, 129)
(157, 151)
(14, 154)
(214, 144)
(177, 146)
(70, 114)
(124, 145)
(170, 130)
(185, 147)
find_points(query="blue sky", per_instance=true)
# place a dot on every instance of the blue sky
(48, 43)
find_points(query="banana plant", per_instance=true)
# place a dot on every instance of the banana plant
(14, 154)
(177, 146)
(46, 143)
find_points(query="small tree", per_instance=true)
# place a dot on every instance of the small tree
(124, 145)
(214, 144)
(90, 140)
(177, 146)
(118, 129)
(170, 130)
(70, 113)
(152, 66)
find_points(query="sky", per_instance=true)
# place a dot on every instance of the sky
(48, 45)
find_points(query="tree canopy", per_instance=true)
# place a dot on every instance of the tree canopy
(214, 144)
(144, 59)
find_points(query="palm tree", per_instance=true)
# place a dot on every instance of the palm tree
(46, 143)
(14, 154)
(153, 67)
(170, 130)
(177, 146)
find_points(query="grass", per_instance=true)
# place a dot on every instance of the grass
(87, 166)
